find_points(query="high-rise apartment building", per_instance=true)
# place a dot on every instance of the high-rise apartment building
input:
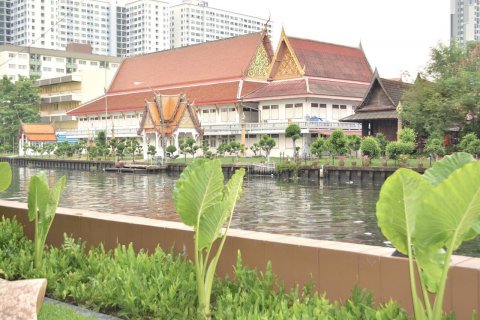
(465, 20)
(194, 22)
(118, 27)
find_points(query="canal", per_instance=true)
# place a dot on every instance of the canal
(327, 211)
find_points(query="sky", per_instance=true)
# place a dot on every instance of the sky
(396, 35)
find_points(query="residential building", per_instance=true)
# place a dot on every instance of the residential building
(118, 28)
(193, 21)
(240, 88)
(465, 20)
(61, 94)
(379, 110)
(18, 61)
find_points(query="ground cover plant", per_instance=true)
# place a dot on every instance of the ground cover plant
(50, 311)
(427, 217)
(160, 285)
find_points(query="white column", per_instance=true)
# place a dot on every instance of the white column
(145, 146)
(157, 144)
(20, 145)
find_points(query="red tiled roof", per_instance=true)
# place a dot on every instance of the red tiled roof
(215, 60)
(334, 61)
(199, 95)
(38, 132)
(279, 89)
(316, 86)
(340, 89)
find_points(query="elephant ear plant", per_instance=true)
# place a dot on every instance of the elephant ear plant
(5, 176)
(427, 217)
(204, 202)
(42, 206)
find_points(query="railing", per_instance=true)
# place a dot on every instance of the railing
(63, 97)
(273, 127)
(87, 133)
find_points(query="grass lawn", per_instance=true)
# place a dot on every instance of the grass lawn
(51, 311)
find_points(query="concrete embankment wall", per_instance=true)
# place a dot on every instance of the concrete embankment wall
(335, 267)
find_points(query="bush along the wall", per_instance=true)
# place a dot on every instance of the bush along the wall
(160, 285)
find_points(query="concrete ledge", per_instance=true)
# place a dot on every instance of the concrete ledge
(334, 266)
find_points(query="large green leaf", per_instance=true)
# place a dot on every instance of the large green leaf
(5, 176)
(38, 195)
(214, 218)
(398, 206)
(443, 168)
(54, 198)
(449, 216)
(200, 186)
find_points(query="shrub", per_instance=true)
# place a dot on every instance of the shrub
(318, 146)
(407, 135)
(370, 147)
(466, 140)
(395, 149)
(382, 142)
(337, 143)
(434, 146)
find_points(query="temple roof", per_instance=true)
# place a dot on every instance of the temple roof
(374, 115)
(327, 60)
(219, 60)
(309, 87)
(165, 114)
(38, 132)
(216, 93)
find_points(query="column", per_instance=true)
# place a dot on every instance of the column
(145, 146)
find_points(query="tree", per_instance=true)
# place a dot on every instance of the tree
(267, 143)
(471, 144)
(354, 142)
(170, 152)
(235, 147)
(49, 148)
(370, 147)
(120, 151)
(294, 132)
(188, 146)
(19, 102)
(382, 142)
(337, 143)
(151, 151)
(451, 98)
(255, 148)
(206, 149)
(318, 147)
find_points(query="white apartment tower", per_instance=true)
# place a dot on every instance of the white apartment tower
(465, 20)
(118, 27)
(193, 21)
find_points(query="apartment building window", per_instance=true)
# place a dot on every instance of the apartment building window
(228, 115)
(11, 66)
(318, 110)
(270, 112)
(209, 115)
(294, 111)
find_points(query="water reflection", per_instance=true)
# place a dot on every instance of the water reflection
(322, 210)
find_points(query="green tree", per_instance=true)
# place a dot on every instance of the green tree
(370, 147)
(451, 98)
(255, 148)
(294, 132)
(19, 102)
(235, 147)
(407, 135)
(382, 142)
(267, 143)
(434, 147)
(337, 143)
(354, 142)
(466, 140)
(188, 146)
(318, 147)
(151, 151)
(170, 151)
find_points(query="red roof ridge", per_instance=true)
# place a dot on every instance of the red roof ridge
(324, 42)
(193, 45)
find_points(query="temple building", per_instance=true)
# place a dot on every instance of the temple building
(166, 121)
(239, 88)
(378, 111)
(34, 134)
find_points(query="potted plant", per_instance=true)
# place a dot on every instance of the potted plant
(341, 161)
(353, 163)
(366, 161)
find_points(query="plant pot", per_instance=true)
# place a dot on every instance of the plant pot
(341, 161)
(353, 163)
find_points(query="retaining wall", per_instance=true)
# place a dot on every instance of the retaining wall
(58, 163)
(335, 267)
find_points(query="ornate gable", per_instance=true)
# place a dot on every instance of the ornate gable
(285, 63)
(260, 63)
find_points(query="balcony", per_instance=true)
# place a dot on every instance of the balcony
(279, 127)
(61, 98)
(92, 133)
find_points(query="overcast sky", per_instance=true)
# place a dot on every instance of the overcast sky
(396, 35)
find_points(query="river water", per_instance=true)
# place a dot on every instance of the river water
(327, 211)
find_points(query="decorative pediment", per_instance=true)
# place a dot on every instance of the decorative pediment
(259, 65)
(285, 63)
